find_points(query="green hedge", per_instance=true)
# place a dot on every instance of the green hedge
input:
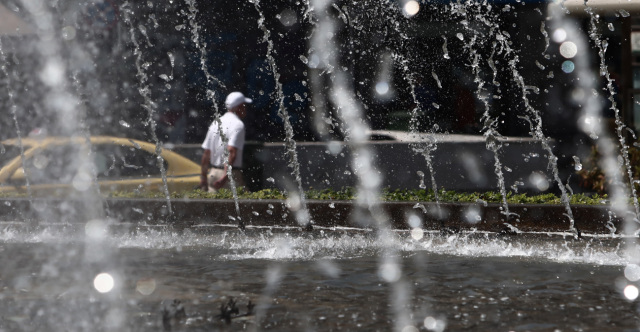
(347, 194)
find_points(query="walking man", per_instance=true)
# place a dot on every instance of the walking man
(214, 173)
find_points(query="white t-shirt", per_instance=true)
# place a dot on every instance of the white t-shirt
(233, 130)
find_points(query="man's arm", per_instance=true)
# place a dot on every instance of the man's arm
(204, 169)
(233, 152)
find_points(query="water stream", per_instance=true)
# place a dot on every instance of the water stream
(363, 164)
(426, 148)
(489, 122)
(192, 16)
(621, 131)
(501, 40)
(144, 90)
(64, 105)
(299, 204)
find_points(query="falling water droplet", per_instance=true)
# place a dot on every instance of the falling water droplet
(422, 184)
(516, 184)
(124, 124)
(421, 207)
(576, 163)
(624, 13)
(435, 77)
(444, 48)
(460, 36)
(172, 59)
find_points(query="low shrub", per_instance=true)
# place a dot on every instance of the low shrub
(592, 176)
(397, 195)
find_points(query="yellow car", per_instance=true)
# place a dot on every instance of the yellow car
(62, 165)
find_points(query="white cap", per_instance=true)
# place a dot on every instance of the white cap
(236, 98)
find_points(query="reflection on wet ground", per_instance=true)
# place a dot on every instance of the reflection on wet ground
(287, 280)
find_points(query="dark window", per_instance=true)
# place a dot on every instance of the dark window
(115, 161)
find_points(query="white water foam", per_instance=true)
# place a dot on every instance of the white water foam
(290, 244)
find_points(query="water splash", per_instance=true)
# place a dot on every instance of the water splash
(281, 244)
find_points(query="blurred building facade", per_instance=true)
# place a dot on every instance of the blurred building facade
(108, 43)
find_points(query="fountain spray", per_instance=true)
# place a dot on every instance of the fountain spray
(368, 210)
(211, 95)
(145, 91)
(301, 210)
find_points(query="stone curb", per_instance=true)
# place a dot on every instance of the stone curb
(448, 217)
